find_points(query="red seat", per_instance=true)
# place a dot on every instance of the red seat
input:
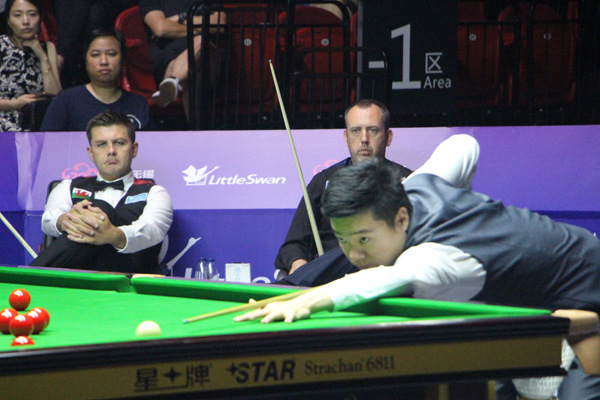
(354, 30)
(48, 26)
(471, 11)
(478, 58)
(247, 13)
(242, 93)
(251, 44)
(250, 83)
(318, 70)
(546, 63)
(137, 69)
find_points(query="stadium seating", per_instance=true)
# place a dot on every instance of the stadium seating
(137, 70)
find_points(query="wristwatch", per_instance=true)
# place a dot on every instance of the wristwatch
(182, 17)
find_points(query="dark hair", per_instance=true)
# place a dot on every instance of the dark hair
(104, 32)
(110, 118)
(373, 185)
(366, 103)
(9, 3)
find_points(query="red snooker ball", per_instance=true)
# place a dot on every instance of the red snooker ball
(19, 299)
(5, 316)
(21, 325)
(21, 341)
(39, 321)
(44, 314)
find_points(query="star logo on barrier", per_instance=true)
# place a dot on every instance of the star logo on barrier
(172, 374)
(232, 370)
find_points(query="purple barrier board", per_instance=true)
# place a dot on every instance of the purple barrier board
(237, 190)
(9, 177)
(201, 170)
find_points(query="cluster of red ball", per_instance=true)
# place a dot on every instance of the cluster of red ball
(22, 325)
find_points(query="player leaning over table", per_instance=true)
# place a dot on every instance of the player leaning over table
(107, 228)
(367, 136)
(433, 238)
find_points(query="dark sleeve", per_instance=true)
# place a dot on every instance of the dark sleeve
(57, 116)
(299, 242)
(405, 171)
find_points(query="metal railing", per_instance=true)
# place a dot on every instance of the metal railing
(524, 63)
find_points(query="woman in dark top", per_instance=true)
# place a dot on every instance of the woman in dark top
(73, 107)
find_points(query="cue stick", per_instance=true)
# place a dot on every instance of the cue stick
(248, 306)
(19, 237)
(311, 215)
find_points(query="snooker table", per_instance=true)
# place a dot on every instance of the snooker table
(383, 348)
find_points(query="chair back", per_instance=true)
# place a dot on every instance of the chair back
(47, 239)
(479, 52)
(548, 44)
(137, 69)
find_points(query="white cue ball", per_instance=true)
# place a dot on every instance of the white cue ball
(148, 328)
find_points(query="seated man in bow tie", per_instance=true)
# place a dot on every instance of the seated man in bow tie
(112, 222)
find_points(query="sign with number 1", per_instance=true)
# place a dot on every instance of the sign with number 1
(419, 38)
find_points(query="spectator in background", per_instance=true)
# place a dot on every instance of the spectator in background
(74, 107)
(167, 33)
(76, 19)
(28, 67)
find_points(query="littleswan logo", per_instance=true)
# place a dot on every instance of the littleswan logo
(197, 176)
(202, 177)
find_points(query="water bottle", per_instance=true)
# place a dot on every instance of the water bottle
(212, 272)
(201, 269)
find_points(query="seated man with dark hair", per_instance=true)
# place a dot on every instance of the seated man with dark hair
(112, 222)
(433, 238)
(367, 136)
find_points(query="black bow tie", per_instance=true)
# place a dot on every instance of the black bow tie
(101, 185)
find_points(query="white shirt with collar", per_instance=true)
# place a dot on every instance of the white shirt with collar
(148, 230)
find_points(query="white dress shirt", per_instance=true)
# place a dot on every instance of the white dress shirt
(428, 270)
(148, 230)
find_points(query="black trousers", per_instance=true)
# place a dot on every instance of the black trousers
(64, 253)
